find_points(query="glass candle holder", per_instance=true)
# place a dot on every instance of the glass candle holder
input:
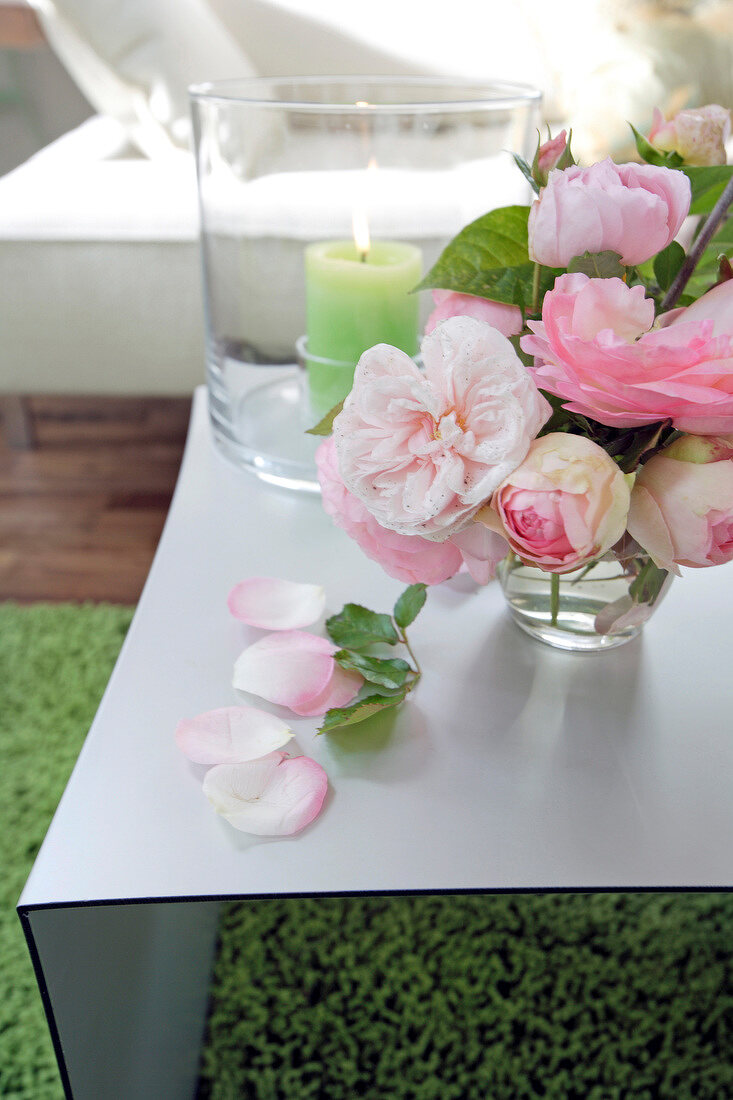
(323, 201)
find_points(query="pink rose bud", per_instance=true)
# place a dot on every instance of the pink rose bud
(565, 505)
(632, 209)
(554, 153)
(698, 134)
(682, 504)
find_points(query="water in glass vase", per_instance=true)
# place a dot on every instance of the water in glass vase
(602, 605)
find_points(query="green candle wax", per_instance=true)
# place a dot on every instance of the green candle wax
(353, 303)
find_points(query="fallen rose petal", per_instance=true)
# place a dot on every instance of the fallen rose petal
(274, 604)
(231, 735)
(289, 668)
(275, 796)
(341, 689)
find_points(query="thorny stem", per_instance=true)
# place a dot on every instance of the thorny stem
(417, 670)
(711, 224)
(536, 275)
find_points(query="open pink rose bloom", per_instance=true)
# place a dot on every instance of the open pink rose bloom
(423, 452)
(408, 558)
(632, 209)
(597, 349)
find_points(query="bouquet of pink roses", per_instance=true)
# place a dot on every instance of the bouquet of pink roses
(576, 391)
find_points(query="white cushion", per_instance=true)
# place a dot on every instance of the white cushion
(134, 60)
(100, 268)
(78, 190)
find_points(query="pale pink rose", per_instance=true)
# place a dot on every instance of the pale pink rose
(407, 558)
(682, 511)
(424, 451)
(632, 209)
(596, 349)
(565, 505)
(698, 134)
(506, 319)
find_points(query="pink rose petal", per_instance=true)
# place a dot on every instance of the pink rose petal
(274, 604)
(481, 549)
(341, 689)
(275, 796)
(231, 735)
(289, 668)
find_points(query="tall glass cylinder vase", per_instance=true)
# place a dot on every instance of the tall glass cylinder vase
(323, 201)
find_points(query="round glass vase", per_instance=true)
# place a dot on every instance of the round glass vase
(599, 606)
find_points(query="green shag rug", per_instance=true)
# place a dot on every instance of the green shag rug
(592, 996)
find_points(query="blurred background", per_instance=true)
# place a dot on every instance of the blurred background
(98, 219)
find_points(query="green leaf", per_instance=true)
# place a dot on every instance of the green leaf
(707, 184)
(357, 627)
(667, 263)
(654, 156)
(648, 584)
(598, 265)
(410, 604)
(526, 171)
(385, 671)
(325, 426)
(358, 711)
(494, 241)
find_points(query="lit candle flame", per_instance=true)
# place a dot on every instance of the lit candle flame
(360, 228)
(359, 220)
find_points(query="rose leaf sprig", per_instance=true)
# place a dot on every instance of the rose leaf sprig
(388, 680)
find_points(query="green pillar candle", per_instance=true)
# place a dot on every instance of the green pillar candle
(353, 301)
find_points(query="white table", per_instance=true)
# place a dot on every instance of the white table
(513, 766)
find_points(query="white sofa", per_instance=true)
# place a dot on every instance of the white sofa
(99, 232)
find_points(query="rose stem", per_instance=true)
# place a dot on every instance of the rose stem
(714, 219)
(554, 597)
(536, 287)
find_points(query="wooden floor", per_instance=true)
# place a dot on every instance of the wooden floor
(85, 485)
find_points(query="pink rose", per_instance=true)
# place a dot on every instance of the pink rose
(698, 134)
(423, 451)
(506, 319)
(407, 558)
(632, 209)
(682, 504)
(596, 349)
(565, 505)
